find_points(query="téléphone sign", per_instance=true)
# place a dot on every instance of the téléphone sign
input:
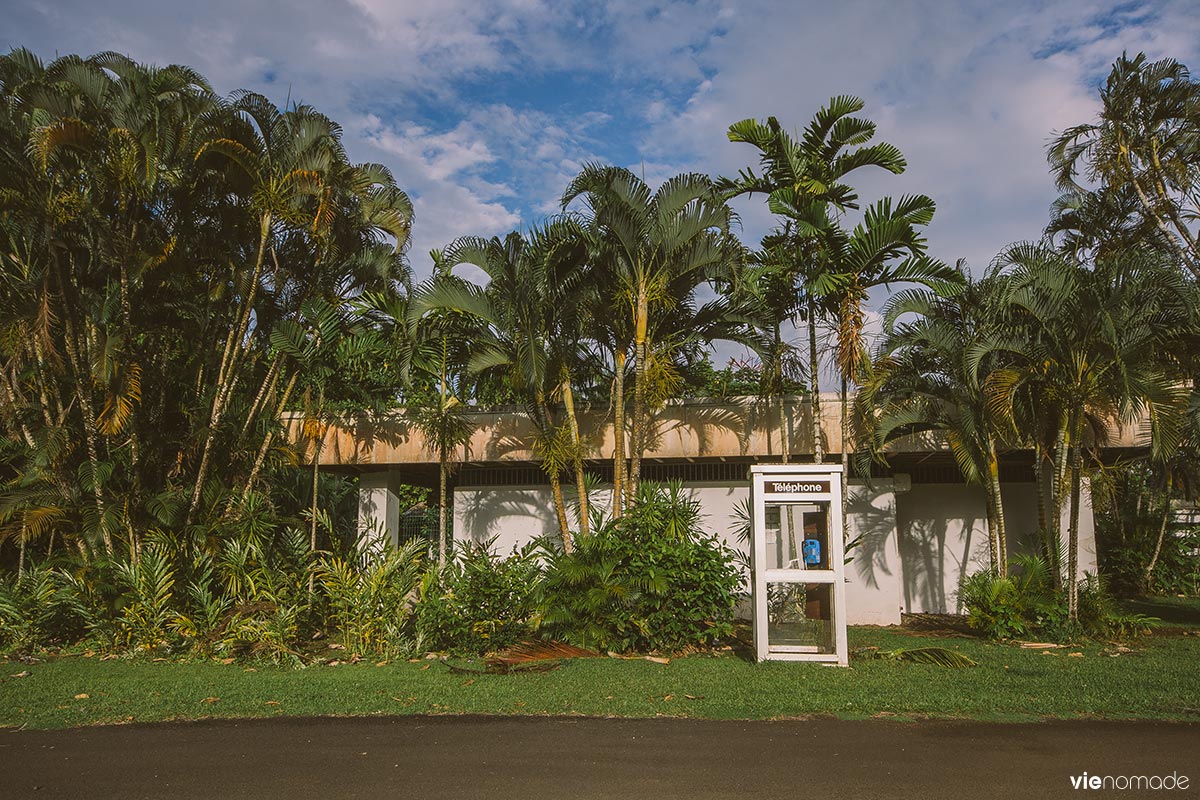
(797, 487)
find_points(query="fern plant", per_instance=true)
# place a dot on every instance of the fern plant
(149, 580)
(371, 598)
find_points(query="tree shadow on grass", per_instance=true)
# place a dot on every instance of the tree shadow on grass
(1179, 611)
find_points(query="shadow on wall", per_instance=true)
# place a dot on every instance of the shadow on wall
(487, 514)
(942, 537)
(705, 423)
(508, 438)
(871, 527)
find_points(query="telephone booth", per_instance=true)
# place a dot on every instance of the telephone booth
(797, 563)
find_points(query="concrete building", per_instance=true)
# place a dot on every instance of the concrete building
(916, 527)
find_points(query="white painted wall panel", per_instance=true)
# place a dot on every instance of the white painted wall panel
(509, 517)
(942, 535)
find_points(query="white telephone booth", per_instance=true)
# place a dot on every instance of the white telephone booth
(797, 563)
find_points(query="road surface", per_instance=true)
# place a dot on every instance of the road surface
(496, 758)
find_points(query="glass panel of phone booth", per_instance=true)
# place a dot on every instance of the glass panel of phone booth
(800, 617)
(797, 536)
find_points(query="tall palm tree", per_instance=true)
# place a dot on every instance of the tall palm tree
(887, 247)
(930, 374)
(769, 281)
(804, 179)
(1096, 344)
(284, 157)
(529, 332)
(1147, 143)
(138, 361)
(653, 251)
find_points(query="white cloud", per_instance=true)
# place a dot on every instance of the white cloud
(969, 91)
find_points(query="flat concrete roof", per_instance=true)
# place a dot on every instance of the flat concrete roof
(689, 430)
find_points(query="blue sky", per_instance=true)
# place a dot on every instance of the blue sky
(485, 110)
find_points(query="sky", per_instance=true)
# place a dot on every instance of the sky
(485, 110)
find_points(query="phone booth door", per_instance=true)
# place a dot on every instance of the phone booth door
(797, 562)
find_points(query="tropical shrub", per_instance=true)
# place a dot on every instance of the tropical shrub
(33, 610)
(371, 596)
(478, 602)
(1176, 571)
(651, 580)
(995, 607)
(148, 581)
(1027, 603)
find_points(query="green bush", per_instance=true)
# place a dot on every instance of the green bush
(995, 607)
(478, 602)
(28, 607)
(649, 581)
(148, 581)
(371, 597)
(1027, 604)
(1177, 570)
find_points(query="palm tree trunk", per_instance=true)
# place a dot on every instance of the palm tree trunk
(1057, 493)
(10, 397)
(577, 454)
(1000, 554)
(264, 391)
(443, 470)
(618, 434)
(641, 323)
(316, 474)
(560, 509)
(228, 370)
(21, 554)
(134, 439)
(1162, 532)
(1039, 482)
(845, 459)
(266, 445)
(546, 426)
(814, 371)
(785, 441)
(1073, 534)
(83, 393)
(1164, 197)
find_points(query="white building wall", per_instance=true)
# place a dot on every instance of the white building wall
(873, 576)
(379, 505)
(911, 548)
(942, 536)
(510, 517)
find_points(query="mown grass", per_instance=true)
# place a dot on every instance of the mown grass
(1157, 680)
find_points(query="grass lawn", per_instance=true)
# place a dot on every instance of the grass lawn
(1159, 679)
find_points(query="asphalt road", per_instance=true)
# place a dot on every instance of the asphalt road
(473, 757)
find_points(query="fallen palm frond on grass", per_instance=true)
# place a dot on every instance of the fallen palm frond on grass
(528, 657)
(939, 656)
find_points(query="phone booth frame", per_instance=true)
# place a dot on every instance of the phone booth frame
(806, 488)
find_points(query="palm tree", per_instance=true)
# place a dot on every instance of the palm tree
(527, 331)
(768, 281)
(1096, 344)
(138, 360)
(284, 157)
(930, 375)
(440, 352)
(653, 250)
(804, 180)
(1146, 144)
(885, 248)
